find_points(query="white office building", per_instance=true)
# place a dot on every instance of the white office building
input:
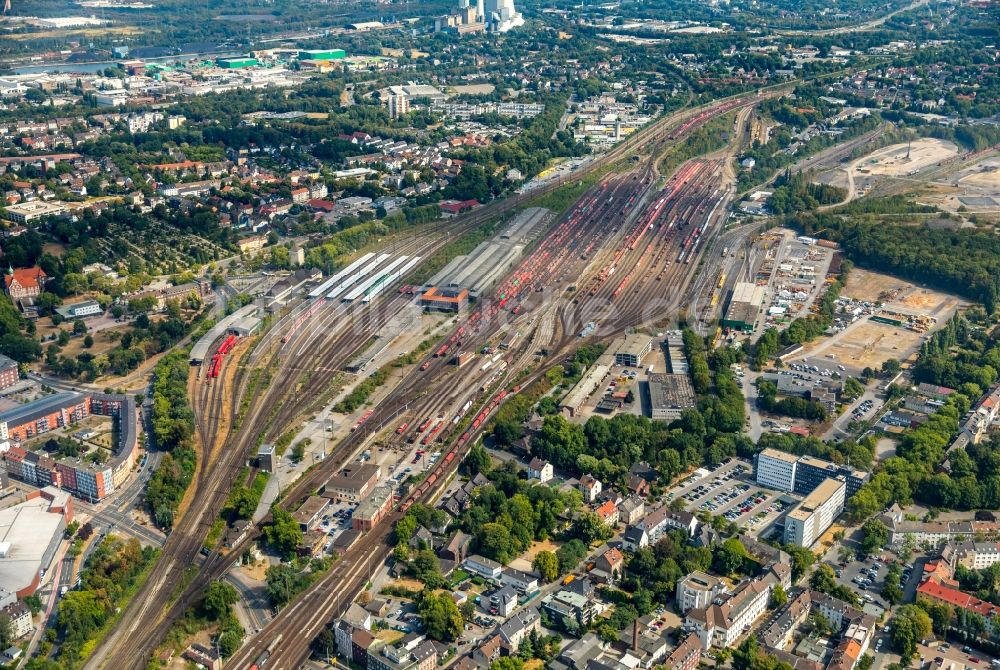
(810, 518)
(776, 470)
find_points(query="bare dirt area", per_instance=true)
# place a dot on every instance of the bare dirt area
(904, 159)
(975, 188)
(867, 343)
(473, 89)
(865, 285)
(544, 545)
(408, 584)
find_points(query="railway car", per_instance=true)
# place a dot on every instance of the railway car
(402, 428)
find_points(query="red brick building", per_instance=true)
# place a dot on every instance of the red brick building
(8, 372)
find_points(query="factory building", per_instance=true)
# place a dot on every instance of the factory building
(744, 307)
(817, 512)
(631, 353)
(669, 395)
(322, 54)
(30, 534)
(479, 271)
(236, 63)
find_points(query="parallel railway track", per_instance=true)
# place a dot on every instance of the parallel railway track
(154, 609)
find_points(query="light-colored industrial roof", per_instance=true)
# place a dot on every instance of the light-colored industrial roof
(29, 528)
(749, 293)
(635, 344)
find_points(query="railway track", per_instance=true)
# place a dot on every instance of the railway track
(319, 605)
(153, 610)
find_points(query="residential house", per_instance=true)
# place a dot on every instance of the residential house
(635, 538)
(723, 622)
(482, 566)
(501, 601)
(540, 469)
(518, 627)
(631, 509)
(609, 566)
(523, 582)
(590, 487)
(608, 513)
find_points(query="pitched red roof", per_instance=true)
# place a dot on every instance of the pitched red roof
(26, 277)
(936, 590)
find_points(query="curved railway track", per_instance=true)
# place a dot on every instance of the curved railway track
(153, 610)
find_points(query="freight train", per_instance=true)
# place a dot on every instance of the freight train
(460, 443)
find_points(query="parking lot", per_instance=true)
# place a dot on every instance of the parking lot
(730, 491)
(336, 519)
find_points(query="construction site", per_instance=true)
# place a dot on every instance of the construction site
(883, 317)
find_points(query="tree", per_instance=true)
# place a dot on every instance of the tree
(229, 642)
(547, 565)
(442, 620)
(730, 556)
(910, 625)
(79, 327)
(478, 460)
(892, 589)
(778, 597)
(88, 341)
(6, 631)
(282, 583)
(219, 597)
(875, 536)
(507, 663)
(589, 528)
(891, 367)
(325, 644)
(495, 542)
(570, 555)
(852, 388)
(283, 534)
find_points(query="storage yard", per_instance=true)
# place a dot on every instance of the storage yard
(865, 342)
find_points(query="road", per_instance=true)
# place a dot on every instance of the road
(867, 25)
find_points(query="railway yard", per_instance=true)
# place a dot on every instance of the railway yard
(624, 255)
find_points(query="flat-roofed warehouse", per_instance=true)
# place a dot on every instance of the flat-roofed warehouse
(744, 307)
(669, 395)
(30, 534)
(479, 271)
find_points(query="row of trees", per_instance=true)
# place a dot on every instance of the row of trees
(111, 573)
(173, 431)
